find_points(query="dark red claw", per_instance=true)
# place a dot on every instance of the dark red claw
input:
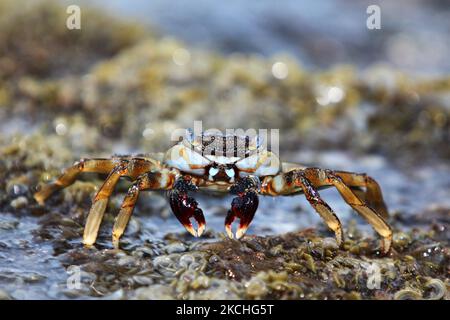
(184, 208)
(243, 207)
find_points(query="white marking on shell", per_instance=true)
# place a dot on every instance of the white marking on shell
(182, 158)
(278, 183)
(222, 159)
(269, 167)
(248, 163)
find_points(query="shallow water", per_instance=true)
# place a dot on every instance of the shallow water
(28, 269)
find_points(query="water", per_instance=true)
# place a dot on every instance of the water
(28, 269)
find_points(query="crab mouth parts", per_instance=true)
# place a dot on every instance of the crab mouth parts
(221, 173)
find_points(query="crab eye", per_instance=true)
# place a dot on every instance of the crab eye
(230, 172)
(213, 171)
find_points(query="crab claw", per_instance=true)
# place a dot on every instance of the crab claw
(185, 208)
(243, 207)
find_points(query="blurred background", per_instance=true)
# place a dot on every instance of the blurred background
(314, 71)
(343, 97)
(413, 37)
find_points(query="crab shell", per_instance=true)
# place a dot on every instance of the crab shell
(188, 158)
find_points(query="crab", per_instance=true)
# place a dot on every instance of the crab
(236, 164)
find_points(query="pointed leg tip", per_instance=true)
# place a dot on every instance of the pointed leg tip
(385, 249)
(88, 243)
(93, 221)
(89, 239)
(116, 241)
(340, 239)
(385, 246)
(39, 199)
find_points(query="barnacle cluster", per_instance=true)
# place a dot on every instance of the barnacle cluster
(300, 265)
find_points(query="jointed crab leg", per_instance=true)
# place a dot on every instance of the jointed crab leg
(162, 180)
(100, 202)
(100, 165)
(322, 208)
(131, 168)
(372, 194)
(118, 167)
(70, 174)
(185, 168)
(307, 179)
(326, 177)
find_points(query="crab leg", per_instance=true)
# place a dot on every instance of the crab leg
(100, 202)
(104, 166)
(326, 178)
(185, 207)
(115, 167)
(70, 174)
(372, 195)
(322, 208)
(131, 168)
(162, 180)
(243, 206)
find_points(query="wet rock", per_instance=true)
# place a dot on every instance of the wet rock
(256, 287)
(20, 202)
(4, 295)
(175, 248)
(408, 294)
(16, 189)
(9, 225)
(116, 295)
